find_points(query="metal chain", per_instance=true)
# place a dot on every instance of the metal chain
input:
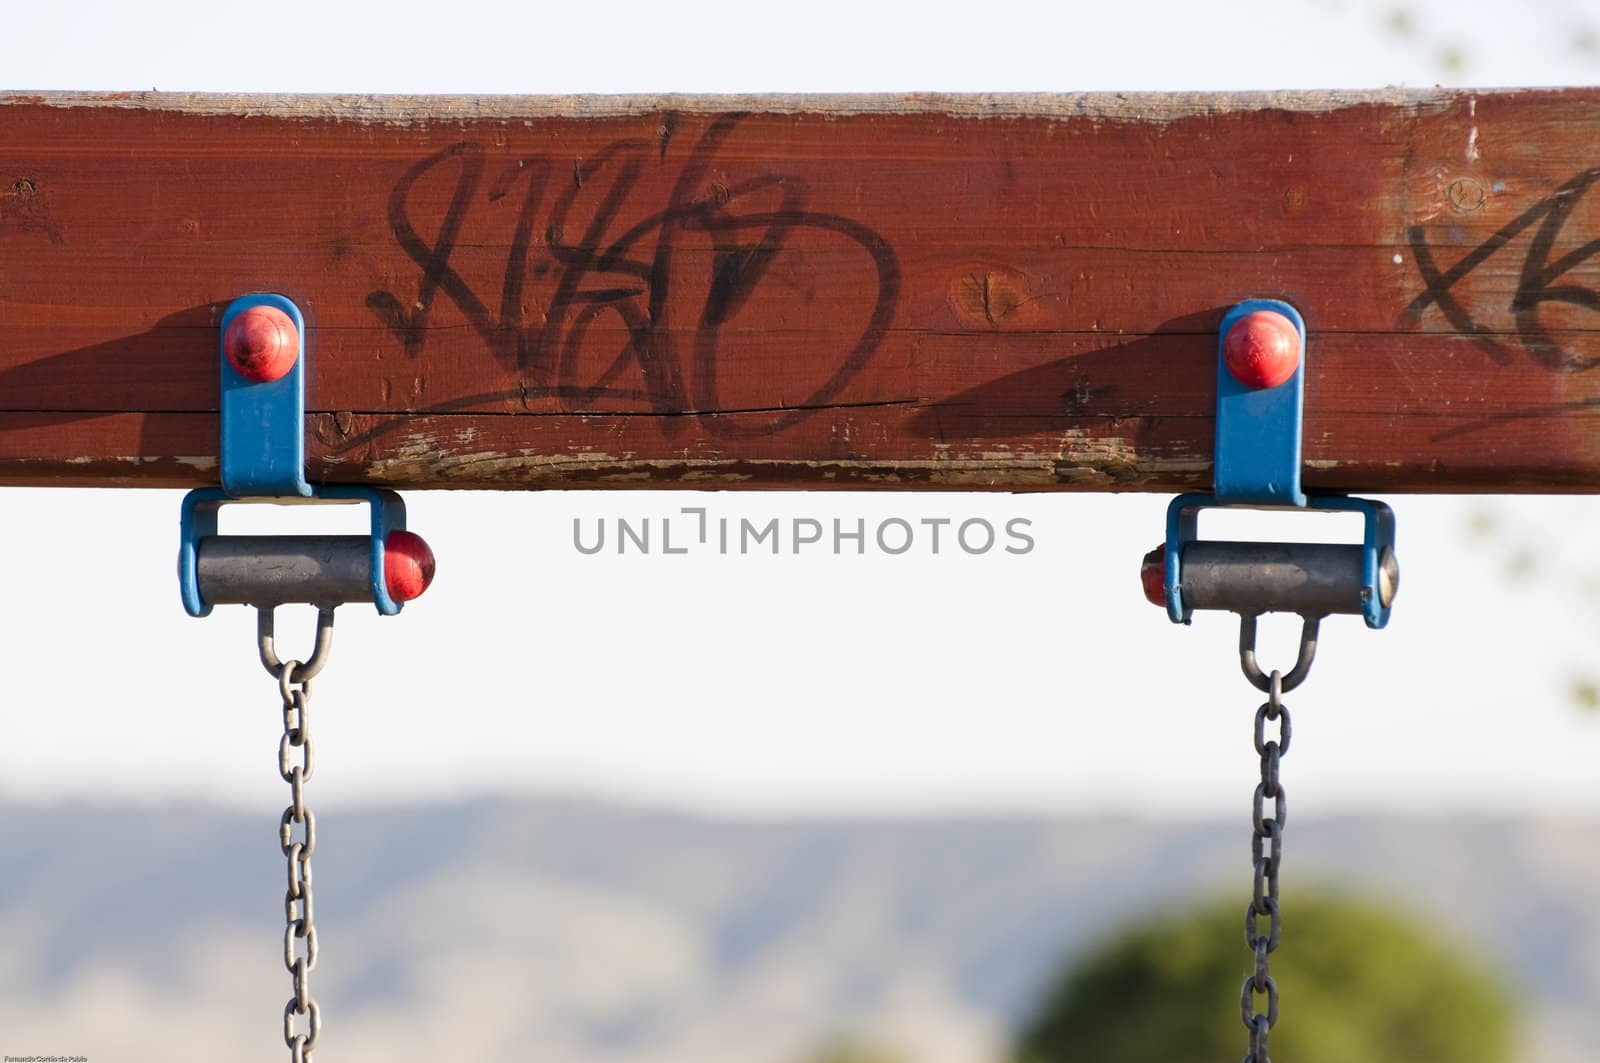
(297, 902)
(1267, 860)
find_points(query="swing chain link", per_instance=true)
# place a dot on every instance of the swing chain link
(1267, 860)
(296, 694)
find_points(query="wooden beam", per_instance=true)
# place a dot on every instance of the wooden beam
(1012, 292)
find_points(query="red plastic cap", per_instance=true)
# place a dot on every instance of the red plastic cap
(1262, 349)
(262, 344)
(407, 565)
(1153, 574)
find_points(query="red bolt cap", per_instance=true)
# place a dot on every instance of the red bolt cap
(262, 344)
(1153, 574)
(1262, 349)
(407, 565)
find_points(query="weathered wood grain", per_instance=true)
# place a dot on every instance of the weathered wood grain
(1011, 292)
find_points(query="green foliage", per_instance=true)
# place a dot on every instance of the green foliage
(847, 1051)
(1356, 983)
(1586, 692)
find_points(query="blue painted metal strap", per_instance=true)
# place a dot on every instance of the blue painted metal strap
(1258, 429)
(264, 424)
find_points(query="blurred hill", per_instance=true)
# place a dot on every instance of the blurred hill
(581, 933)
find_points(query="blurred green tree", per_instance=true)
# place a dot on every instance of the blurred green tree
(1357, 982)
(844, 1050)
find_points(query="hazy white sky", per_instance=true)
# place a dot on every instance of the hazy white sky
(811, 683)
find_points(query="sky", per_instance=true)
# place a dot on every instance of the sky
(807, 684)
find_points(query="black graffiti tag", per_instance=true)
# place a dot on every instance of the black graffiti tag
(594, 272)
(1538, 284)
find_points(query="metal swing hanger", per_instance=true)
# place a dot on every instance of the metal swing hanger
(1261, 350)
(263, 460)
(1260, 411)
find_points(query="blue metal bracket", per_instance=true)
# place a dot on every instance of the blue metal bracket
(1258, 429)
(1257, 466)
(264, 424)
(1183, 519)
(198, 520)
(264, 460)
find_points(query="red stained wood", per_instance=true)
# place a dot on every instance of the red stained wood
(970, 292)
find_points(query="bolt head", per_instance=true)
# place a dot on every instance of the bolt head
(262, 344)
(1262, 349)
(1388, 577)
(1153, 576)
(407, 565)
